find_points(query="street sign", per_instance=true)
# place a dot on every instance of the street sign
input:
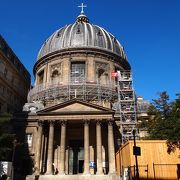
(136, 151)
(91, 164)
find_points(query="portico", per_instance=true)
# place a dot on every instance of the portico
(71, 142)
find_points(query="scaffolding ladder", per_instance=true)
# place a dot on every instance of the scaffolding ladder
(127, 105)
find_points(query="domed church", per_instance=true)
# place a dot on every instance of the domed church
(81, 108)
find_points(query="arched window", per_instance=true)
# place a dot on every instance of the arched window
(55, 76)
(55, 73)
(41, 77)
(102, 76)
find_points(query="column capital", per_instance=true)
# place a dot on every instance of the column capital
(99, 121)
(40, 123)
(86, 121)
(63, 122)
(110, 122)
(51, 122)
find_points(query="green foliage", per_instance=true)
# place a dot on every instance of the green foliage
(164, 122)
(4, 119)
(162, 104)
(6, 138)
(174, 135)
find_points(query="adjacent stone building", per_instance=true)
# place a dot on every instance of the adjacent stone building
(143, 116)
(14, 80)
(71, 123)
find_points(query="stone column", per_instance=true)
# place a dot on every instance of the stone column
(99, 147)
(45, 150)
(42, 149)
(55, 159)
(86, 147)
(38, 147)
(50, 148)
(111, 150)
(62, 148)
(67, 161)
(59, 155)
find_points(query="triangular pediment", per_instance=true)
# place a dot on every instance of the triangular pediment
(76, 107)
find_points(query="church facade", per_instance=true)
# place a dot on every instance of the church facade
(71, 123)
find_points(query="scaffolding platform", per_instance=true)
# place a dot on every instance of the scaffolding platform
(80, 90)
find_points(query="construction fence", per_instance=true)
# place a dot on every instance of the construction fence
(159, 172)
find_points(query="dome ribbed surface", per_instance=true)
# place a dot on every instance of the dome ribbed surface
(81, 34)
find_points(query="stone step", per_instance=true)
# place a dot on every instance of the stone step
(72, 177)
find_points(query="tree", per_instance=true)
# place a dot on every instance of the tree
(174, 134)
(6, 138)
(164, 122)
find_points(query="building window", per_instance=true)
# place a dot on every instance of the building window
(55, 76)
(77, 72)
(3, 90)
(41, 76)
(5, 72)
(102, 70)
(55, 73)
(102, 76)
(28, 140)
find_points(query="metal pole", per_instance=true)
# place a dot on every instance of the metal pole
(154, 171)
(13, 154)
(137, 169)
(119, 106)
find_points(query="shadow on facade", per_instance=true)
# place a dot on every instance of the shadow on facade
(22, 162)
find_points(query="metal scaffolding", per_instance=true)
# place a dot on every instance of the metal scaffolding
(126, 105)
(82, 90)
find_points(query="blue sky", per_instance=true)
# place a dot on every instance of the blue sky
(149, 30)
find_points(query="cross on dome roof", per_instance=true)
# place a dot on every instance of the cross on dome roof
(82, 17)
(82, 7)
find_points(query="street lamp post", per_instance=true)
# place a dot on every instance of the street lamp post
(137, 169)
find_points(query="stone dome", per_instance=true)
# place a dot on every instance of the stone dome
(81, 34)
